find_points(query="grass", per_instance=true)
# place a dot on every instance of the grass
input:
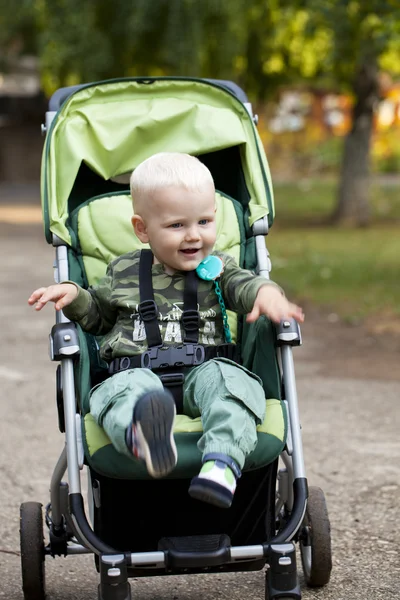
(354, 273)
(310, 200)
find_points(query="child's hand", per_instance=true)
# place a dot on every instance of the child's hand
(270, 302)
(62, 294)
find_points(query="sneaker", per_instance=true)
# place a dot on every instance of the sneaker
(151, 436)
(215, 484)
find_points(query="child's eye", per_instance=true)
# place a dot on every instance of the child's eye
(175, 225)
(203, 221)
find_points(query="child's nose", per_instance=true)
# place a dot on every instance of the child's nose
(192, 234)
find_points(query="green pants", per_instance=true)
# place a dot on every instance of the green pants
(229, 399)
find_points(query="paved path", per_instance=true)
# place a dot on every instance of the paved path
(350, 430)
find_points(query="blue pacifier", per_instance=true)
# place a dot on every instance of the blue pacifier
(210, 268)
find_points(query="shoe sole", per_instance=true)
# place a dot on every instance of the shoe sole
(210, 492)
(154, 418)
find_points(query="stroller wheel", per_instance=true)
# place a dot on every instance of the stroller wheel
(32, 551)
(315, 540)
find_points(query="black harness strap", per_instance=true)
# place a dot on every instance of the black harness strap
(190, 316)
(174, 358)
(169, 363)
(148, 310)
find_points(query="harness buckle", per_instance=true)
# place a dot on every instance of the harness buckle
(119, 364)
(190, 320)
(124, 363)
(148, 310)
(189, 355)
(227, 351)
(172, 379)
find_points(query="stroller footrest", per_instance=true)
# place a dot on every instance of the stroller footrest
(195, 551)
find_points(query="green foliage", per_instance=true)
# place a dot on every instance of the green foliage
(361, 31)
(17, 31)
(96, 39)
(261, 45)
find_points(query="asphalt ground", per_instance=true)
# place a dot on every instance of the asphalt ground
(348, 383)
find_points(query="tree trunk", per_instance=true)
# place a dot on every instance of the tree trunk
(353, 197)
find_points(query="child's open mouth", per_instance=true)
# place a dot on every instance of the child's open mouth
(190, 251)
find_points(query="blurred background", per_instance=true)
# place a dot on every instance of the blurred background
(324, 80)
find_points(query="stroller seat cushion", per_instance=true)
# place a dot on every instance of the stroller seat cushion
(104, 459)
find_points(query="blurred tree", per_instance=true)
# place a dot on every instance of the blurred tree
(260, 44)
(277, 48)
(365, 36)
(87, 41)
(18, 33)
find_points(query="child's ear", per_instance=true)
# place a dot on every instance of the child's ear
(140, 229)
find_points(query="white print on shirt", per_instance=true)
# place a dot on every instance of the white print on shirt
(206, 314)
(175, 313)
(139, 332)
(173, 331)
(207, 336)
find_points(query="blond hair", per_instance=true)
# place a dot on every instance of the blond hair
(169, 169)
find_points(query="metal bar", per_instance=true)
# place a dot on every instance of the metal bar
(263, 260)
(246, 552)
(55, 497)
(73, 548)
(143, 559)
(50, 114)
(67, 371)
(62, 275)
(68, 384)
(289, 468)
(291, 397)
(157, 559)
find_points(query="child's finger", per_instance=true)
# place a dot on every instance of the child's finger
(50, 294)
(278, 311)
(297, 313)
(294, 312)
(253, 315)
(40, 303)
(62, 302)
(36, 295)
(275, 316)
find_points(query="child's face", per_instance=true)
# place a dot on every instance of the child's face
(179, 225)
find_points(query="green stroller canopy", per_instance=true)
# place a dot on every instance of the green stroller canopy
(113, 126)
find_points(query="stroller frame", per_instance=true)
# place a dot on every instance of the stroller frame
(280, 552)
(69, 529)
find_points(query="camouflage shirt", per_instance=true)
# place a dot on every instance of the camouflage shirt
(110, 309)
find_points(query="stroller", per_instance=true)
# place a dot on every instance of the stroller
(96, 134)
